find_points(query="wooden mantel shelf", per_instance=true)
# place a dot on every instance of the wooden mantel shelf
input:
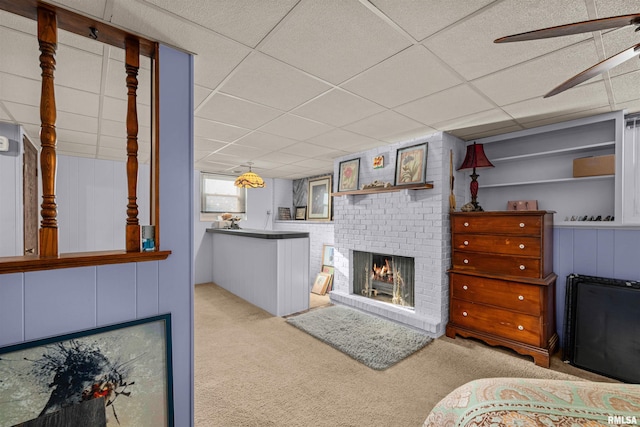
(20, 264)
(424, 186)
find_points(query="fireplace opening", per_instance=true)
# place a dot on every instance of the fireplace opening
(387, 278)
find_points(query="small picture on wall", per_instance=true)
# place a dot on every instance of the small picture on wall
(411, 165)
(301, 212)
(378, 162)
(327, 255)
(349, 172)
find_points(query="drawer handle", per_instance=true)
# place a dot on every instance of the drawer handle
(522, 267)
(466, 224)
(520, 328)
(466, 243)
(465, 287)
(466, 261)
(520, 297)
(522, 225)
(521, 246)
(465, 314)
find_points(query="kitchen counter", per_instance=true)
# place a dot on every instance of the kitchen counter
(267, 268)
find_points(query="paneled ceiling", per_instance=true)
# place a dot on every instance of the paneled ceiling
(292, 84)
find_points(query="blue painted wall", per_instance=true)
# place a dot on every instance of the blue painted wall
(46, 303)
(605, 252)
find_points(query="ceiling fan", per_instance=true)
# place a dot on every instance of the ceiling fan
(583, 27)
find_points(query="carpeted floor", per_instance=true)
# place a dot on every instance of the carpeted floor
(253, 369)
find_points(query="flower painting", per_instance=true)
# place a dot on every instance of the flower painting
(349, 175)
(411, 165)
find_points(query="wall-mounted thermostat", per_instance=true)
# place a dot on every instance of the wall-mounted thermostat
(4, 143)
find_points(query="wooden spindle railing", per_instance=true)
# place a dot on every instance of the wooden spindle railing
(132, 64)
(48, 40)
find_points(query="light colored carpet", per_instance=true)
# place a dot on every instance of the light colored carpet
(376, 342)
(253, 369)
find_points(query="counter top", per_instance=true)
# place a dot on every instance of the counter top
(260, 234)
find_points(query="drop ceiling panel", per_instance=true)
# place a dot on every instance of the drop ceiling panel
(383, 124)
(70, 147)
(409, 135)
(347, 32)
(216, 55)
(485, 121)
(83, 138)
(468, 46)
(69, 61)
(208, 145)
(532, 79)
(282, 158)
(77, 101)
(23, 114)
(265, 140)
(113, 128)
(421, 19)
(581, 98)
(626, 87)
(235, 111)
(23, 51)
(246, 21)
(294, 127)
(305, 149)
(77, 122)
(115, 143)
(458, 101)
(219, 131)
(269, 82)
(414, 73)
(345, 140)
(338, 108)
(249, 153)
(94, 8)
(20, 89)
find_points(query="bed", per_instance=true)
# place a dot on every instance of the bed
(535, 402)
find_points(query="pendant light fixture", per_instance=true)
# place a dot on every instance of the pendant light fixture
(249, 179)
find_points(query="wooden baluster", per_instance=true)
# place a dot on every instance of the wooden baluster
(48, 39)
(132, 64)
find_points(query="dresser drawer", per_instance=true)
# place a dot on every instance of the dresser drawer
(515, 326)
(497, 264)
(504, 244)
(515, 296)
(530, 225)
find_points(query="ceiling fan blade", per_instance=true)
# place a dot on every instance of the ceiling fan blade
(597, 69)
(575, 28)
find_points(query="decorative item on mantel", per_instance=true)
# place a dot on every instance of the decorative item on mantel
(249, 179)
(376, 185)
(475, 158)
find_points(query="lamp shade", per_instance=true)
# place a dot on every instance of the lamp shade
(475, 158)
(249, 180)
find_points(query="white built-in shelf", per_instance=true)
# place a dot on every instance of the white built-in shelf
(548, 181)
(549, 153)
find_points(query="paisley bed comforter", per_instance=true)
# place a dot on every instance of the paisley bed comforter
(520, 402)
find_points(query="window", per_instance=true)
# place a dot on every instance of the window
(220, 195)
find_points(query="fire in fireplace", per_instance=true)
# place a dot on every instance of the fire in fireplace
(388, 278)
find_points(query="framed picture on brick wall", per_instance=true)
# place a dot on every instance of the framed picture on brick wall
(411, 164)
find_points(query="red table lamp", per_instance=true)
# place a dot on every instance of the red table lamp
(475, 158)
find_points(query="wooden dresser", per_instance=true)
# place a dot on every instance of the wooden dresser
(502, 284)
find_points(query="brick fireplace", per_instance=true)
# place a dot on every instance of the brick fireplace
(407, 223)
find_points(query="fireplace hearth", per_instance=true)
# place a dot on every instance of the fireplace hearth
(387, 278)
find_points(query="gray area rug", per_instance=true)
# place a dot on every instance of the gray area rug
(376, 342)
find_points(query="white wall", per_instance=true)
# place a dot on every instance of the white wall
(11, 230)
(92, 203)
